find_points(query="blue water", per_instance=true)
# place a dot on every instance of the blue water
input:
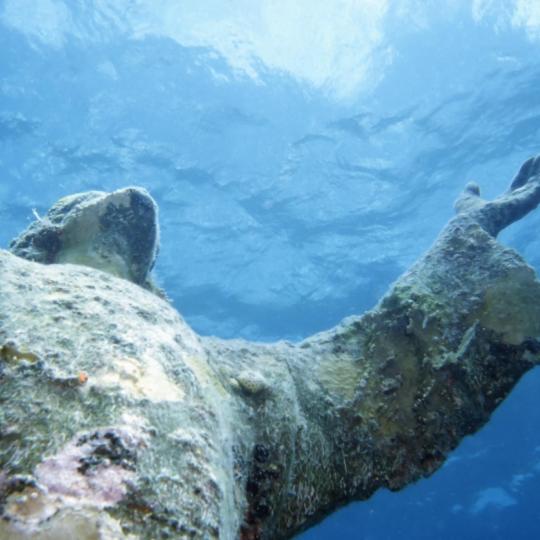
(303, 155)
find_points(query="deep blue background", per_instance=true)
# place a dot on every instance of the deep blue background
(286, 205)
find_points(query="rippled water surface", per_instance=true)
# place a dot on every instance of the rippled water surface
(302, 157)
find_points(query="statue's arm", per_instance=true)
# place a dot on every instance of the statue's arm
(382, 399)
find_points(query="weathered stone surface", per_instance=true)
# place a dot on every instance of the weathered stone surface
(116, 232)
(104, 381)
(117, 421)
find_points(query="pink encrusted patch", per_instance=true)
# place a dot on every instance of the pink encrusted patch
(93, 469)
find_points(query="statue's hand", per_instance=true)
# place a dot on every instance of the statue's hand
(522, 197)
(528, 175)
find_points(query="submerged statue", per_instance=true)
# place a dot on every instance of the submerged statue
(118, 421)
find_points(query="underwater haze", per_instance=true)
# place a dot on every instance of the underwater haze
(303, 154)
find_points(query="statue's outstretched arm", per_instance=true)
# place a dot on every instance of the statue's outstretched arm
(380, 400)
(117, 420)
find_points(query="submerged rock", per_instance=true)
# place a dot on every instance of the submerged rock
(115, 232)
(118, 422)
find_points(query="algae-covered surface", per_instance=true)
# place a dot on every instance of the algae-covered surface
(119, 421)
(98, 376)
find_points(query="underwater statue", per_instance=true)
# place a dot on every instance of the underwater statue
(117, 421)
